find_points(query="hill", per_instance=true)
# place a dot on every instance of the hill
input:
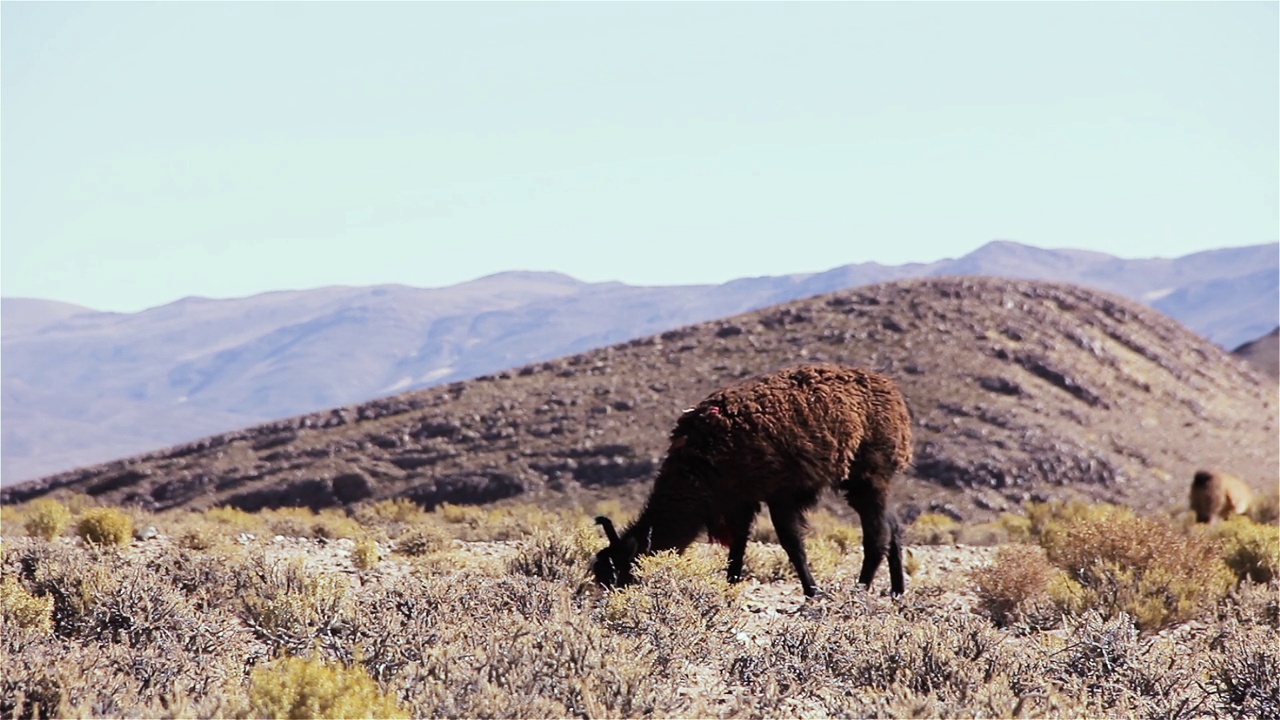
(82, 386)
(1020, 390)
(1263, 353)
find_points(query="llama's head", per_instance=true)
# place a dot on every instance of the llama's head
(613, 564)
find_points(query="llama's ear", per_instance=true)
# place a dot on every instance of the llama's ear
(609, 532)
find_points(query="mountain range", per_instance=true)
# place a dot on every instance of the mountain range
(81, 386)
(1019, 390)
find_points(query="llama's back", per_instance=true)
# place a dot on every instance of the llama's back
(809, 424)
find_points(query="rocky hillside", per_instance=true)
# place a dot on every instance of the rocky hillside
(1263, 353)
(1020, 390)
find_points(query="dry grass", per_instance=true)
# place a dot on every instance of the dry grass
(209, 622)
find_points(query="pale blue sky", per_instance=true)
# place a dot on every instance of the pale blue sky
(153, 151)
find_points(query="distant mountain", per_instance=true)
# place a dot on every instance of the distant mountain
(29, 315)
(81, 386)
(1019, 390)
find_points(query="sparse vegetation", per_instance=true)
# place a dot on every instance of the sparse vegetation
(502, 626)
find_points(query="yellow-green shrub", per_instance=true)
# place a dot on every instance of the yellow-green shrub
(1251, 550)
(1049, 518)
(1150, 569)
(1017, 526)
(235, 518)
(672, 589)
(20, 608)
(846, 535)
(1265, 508)
(933, 529)
(105, 526)
(46, 518)
(512, 522)
(395, 510)
(293, 687)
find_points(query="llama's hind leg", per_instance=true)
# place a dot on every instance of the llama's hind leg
(880, 537)
(739, 523)
(788, 522)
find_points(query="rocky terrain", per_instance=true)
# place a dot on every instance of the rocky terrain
(1020, 390)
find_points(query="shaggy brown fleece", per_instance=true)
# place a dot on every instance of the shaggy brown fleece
(777, 439)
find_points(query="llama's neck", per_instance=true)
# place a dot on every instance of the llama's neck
(670, 520)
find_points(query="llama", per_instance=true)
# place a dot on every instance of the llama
(1218, 496)
(777, 439)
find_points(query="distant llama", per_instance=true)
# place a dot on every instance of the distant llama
(1217, 496)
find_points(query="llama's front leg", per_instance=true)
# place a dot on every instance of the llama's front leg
(740, 529)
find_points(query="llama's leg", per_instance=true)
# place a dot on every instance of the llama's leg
(788, 522)
(879, 537)
(897, 583)
(740, 529)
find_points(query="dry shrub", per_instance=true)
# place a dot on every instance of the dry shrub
(1250, 549)
(423, 541)
(46, 518)
(300, 689)
(1022, 586)
(199, 537)
(1119, 673)
(853, 653)
(285, 601)
(555, 556)
(933, 529)
(74, 578)
(1245, 673)
(365, 555)
(21, 609)
(105, 526)
(1147, 568)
